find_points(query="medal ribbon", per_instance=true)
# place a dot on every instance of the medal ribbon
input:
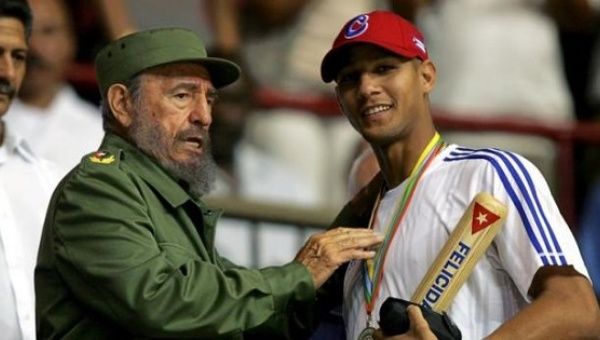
(373, 269)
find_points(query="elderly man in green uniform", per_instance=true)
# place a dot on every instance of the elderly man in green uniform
(128, 247)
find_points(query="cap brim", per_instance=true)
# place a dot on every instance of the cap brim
(222, 71)
(327, 66)
(331, 64)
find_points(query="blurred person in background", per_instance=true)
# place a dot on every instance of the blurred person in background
(58, 124)
(246, 171)
(589, 227)
(283, 41)
(26, 183)
(500, 59)
(589, 234)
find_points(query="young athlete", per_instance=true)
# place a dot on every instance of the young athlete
(530, 283)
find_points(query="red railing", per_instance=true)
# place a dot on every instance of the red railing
(82, 75)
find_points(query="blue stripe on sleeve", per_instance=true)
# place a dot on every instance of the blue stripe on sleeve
(492, 156)
(537, 202)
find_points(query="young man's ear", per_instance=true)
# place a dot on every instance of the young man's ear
(119, 102)
(427, 73)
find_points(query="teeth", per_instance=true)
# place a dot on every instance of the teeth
(376, 109)
(194, 141)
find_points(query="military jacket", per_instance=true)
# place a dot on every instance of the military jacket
(127, 253)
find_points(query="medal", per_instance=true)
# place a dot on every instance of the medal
(366, 334)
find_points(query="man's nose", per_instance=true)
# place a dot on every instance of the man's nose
(201, 113)
(7, 67)
(368, 85)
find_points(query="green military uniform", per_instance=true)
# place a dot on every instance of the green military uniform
(127, 253)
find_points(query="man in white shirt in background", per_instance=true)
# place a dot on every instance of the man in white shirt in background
(26, 184)
(58, 124)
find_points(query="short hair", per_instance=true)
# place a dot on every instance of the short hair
(18, 9)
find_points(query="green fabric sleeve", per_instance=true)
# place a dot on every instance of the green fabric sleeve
(108, 252)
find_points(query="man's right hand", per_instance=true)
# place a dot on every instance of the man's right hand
(324, 252)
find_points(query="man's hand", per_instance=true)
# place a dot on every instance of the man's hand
(419, 328)
(324, 252)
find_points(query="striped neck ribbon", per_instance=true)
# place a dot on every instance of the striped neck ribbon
(373, 268)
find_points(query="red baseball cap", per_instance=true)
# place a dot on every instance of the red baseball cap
(381, 28)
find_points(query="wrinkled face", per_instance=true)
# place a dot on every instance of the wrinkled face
(52, 46)
(13, 52)
(383, 95)
(171, 122)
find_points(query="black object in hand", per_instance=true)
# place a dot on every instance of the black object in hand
(393, 320)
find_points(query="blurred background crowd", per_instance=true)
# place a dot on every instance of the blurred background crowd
(522, 75)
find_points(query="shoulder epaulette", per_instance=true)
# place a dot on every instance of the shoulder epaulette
(102, 157)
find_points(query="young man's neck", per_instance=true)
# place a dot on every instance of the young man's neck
(397, 160)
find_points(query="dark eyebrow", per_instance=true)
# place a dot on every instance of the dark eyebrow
(16, 50)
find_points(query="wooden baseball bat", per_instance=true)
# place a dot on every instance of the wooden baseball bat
(467, 243)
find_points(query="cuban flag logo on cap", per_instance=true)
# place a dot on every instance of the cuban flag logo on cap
(357, 26)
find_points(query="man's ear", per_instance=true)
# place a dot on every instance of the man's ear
(427, 73)
(120, 104)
